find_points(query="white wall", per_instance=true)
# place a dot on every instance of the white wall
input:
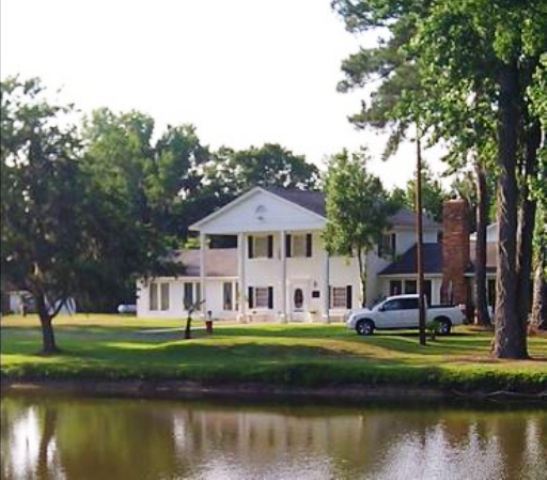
(213, 298)
(262, 211)
(306, 272)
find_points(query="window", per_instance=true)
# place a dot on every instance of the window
(339, 297)
(227, 296)
(410, 286)
(392, 305)
(408, 303)
(261, 297)
(153, 292)
(261, 247)
(188, 298)
(164, 289)
(395, 287)
(198, 292)
(387, 245)
(298, 245)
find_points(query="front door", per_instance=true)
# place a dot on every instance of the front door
(298, 301)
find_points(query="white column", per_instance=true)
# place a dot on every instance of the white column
(283, 277)
(202, 246)
(241, 274)
(326, 274)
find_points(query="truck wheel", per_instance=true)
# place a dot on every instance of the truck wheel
(364, 327)
(445, 326)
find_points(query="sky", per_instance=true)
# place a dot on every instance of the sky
(244, 72)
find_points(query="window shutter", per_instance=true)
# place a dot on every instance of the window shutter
(308, 244)
(270, 246)
(250, 297)
(287, 245)
(330, 296)
(393, 244)
(250, 245)
(348, 297)
(270, 297)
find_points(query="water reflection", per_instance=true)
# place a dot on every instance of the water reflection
(56, 438)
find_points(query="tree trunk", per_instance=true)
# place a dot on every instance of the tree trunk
(480, 247)
(539, 304)
(49, 347)
(526, 228)
(188, 329)
(508, 340)
(419, 239)
(362, 277)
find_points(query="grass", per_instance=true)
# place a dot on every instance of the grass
(116, 347)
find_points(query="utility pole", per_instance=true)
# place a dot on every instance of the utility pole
(419, 234)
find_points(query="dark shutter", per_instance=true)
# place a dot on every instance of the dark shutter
(393, 244)
(287, 245)
(330, 296)
(348, 296)
(308, 244)
(270, 246)
(250, 290)
(250, 246)
(270, 297)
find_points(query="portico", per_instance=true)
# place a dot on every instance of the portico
(283, 268)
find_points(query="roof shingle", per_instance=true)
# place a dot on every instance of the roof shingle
(315, 202)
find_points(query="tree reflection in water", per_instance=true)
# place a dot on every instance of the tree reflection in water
(52, 438)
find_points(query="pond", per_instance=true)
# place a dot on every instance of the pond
(62, 437)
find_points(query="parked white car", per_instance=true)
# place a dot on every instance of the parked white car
(127, 308)
(401, 312)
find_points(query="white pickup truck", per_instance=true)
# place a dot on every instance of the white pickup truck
(401, 311)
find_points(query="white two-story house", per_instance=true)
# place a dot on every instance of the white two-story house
(280, 270)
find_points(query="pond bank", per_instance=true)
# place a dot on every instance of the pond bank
(178, 389)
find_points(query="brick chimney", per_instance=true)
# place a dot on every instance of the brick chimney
(455, 246)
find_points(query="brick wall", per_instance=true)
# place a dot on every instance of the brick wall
(455, 287)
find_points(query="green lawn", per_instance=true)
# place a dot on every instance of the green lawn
(108, 346)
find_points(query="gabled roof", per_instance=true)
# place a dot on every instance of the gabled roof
(406, 263)
(433, 260)
(315, 203)
(406, 218)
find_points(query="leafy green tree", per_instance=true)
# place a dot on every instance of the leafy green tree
(140, 187)
(398, 198)
(486, 54)
(494, 47)
(358, 209)
(71, 226)
(45, 242)
(433, 194)
(270, 165)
